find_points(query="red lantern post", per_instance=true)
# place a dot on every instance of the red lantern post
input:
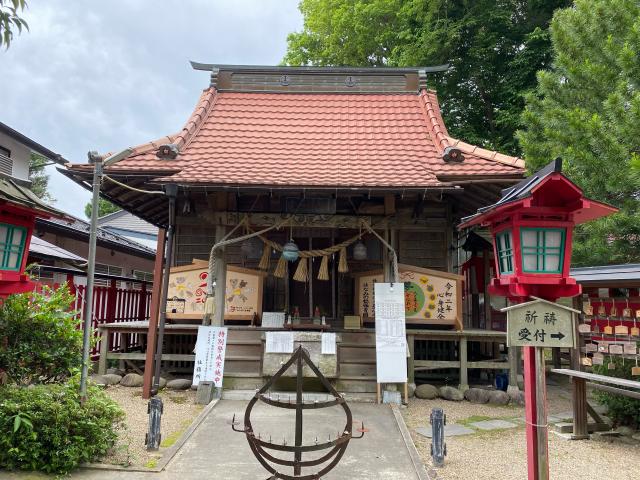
(532, 227)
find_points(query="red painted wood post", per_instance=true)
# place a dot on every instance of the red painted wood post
(142, 303)
(110, 313)
(530, 411)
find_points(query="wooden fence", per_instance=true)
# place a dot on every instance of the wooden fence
(113, 304)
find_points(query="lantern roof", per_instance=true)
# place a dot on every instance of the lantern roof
(547, 187)
(16, 192)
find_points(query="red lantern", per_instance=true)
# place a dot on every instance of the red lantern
(532, 227)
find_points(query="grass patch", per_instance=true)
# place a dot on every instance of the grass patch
(473, 419)
(179, 399)
(173, 437)
(153, 463)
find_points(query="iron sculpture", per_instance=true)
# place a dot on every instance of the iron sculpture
(259, 446)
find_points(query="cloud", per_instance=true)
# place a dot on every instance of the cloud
(107, 75)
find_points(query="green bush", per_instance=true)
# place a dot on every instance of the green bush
(44, 427)
(40, 341)
(622, 410)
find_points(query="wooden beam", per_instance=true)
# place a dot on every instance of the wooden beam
(152, 331)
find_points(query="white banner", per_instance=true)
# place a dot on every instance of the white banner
(391, 340)
(211, 347)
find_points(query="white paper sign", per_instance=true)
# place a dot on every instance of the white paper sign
(279, 342)
(273, 319)
(211, 347)
(328, 343)
(391, 340)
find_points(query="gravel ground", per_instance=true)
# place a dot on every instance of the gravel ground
(502, 454)
(179, 411)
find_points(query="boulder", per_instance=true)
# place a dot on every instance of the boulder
(412, 390)
(116, 371)
(477, 395)
(98, 380)
(451, 393)
(179, 384)
(131, 380)
(162, 383)
(636, 436)
(112, 379)
(498, 397)
(427, 392)
(516, 397)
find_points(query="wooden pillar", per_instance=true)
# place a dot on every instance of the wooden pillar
(487, 298)
(152, 331)
(385, 258)
(513, 368)
(464, 375)
(411, 360)
(578, 385)
(104, 350)
(220, 277)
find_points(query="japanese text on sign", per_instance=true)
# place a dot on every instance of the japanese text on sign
(211, 347)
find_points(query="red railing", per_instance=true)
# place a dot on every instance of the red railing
(112, 304)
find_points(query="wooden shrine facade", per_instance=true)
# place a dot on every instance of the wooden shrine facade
(326, 157)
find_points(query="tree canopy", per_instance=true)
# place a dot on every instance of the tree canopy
(10, 20)
(494, 50)
(586, 110)
(105, 207)
(39, 178)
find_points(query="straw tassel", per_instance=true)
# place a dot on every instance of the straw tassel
(281, 268)
(264, 260)
(301, 271)
(323, 273)
(343, 267)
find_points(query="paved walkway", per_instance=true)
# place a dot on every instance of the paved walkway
(214, 451)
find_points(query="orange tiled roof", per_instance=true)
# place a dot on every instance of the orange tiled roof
(307, 139)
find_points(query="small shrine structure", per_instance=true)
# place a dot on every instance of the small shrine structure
(349, 175)
(19, 208)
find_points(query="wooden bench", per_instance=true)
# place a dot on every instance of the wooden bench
(581, 407)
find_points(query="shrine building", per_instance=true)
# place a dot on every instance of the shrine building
(352, 178)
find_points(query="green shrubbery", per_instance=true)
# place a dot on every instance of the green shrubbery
(44, 427)
(39, 337)
(622, 410)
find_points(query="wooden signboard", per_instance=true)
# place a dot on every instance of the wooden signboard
(243, 296)
(431, 297)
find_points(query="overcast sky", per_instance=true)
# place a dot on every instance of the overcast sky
(106, 75)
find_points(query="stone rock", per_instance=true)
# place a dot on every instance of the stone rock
(451, 393)
(498, 397)
(131, 380)
(98, 379)
(412, 390)
(112, 379)
(516, 397)
(477, 395)
(427, 392)
(179, 384)
(162, 383)
(116, 371)
(626, 431)
(636, 436)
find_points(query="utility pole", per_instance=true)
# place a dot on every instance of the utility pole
(99, 163)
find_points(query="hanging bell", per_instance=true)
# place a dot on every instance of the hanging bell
(290, 251)
(359, 251)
